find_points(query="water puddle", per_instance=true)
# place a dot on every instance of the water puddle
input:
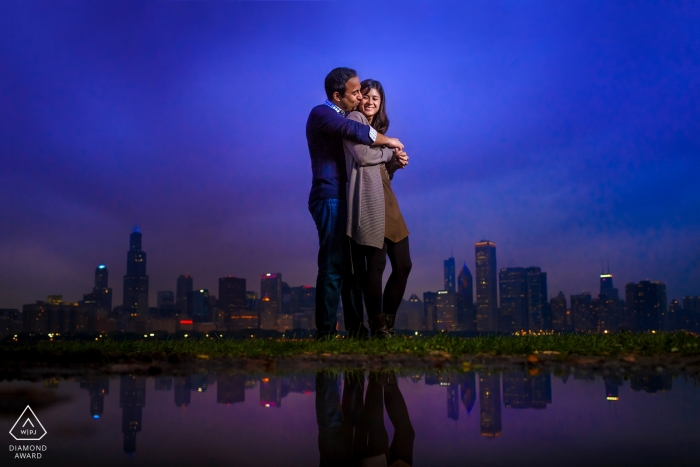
(360, 418)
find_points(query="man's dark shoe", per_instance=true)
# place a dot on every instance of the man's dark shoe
(390, 319)
(379, 327)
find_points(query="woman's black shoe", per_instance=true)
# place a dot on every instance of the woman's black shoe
(379, 328)
(390, 319)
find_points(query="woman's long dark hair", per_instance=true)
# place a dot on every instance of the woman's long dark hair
(380, 122)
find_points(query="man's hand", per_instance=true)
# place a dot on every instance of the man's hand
(382, 140)
(401, 157)
(394, 143)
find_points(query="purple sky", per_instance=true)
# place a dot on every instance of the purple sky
(567, 133)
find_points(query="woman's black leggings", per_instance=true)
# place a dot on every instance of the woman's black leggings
(368, 265)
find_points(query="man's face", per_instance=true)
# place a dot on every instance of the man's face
(352, 95)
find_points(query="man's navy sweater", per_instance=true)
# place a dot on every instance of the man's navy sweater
(325, 131)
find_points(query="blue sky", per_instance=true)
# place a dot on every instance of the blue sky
(567, 133)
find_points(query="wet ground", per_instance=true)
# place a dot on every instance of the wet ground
(341, 410)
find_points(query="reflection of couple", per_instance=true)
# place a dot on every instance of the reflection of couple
(351, 432)
(351, 196)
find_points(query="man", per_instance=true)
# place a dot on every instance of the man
(325, 130)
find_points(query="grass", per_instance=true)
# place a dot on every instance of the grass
(681, 343)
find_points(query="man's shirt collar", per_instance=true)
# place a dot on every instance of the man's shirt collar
(335, 107)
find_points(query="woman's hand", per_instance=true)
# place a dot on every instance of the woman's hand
(401, 157)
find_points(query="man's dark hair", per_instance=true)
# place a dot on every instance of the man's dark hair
(336, 79)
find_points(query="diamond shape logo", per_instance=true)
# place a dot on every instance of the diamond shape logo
(28, 427)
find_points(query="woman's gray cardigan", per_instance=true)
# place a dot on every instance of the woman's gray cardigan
(365, 193)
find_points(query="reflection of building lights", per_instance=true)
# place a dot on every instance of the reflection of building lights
(611, 398)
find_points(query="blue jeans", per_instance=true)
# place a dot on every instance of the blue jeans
(334, 271)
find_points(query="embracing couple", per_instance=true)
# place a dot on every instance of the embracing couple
(354, 208)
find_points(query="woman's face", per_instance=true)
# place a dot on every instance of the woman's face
(370, 103)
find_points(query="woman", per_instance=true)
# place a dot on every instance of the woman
(375, 224)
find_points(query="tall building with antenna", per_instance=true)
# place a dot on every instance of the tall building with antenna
(136, 281)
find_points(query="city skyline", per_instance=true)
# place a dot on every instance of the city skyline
(137, 281)
(567, 134)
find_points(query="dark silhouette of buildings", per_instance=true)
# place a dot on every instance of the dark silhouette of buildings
(606, 286)
(183, 391)
(453, 401)
(135, 302)
(166, 297)
(523, 391)
(163, 383)
(100, 299)
(651, 383)
(583, 312)
(466, 312)
(562, 320)
(198, 306)
(490, 404)
(446, 311)
(411, 314)
(430, 311)
(183, 290)
(449, 275)
(271, 392)
(54, 316)
(233, 301)
(132, 400)
(303, 306)
(271, 299)
(468, 390)
(524, 305)
(486, 287)
(230, 389)
(646, 302)
(513, 314)
(539, 318)
(612, 387)
(98, 388)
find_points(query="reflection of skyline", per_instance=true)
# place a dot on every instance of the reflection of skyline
(132, 399)
(490, 404)
(497, 391)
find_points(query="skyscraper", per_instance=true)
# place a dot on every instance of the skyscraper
(232, 293)
(136, 281)
(583, 313)
(561, 317)
(450, 274)
(606, 286)
(198, 306)
(513, 311)
(429, 310)
(183, 290)
(271, 299)
(101, 296)
(446, 311)
(649, 306)
(537, 302)
(486, 287)
(466, 313)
